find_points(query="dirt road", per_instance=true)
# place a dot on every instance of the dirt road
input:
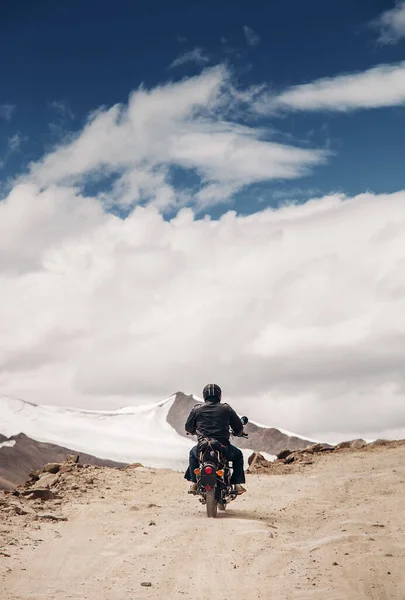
(336, 531)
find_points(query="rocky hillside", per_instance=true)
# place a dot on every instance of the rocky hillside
(293, 461)
(261, 439)
(17, 460)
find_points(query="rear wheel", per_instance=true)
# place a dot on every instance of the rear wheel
(211, 503)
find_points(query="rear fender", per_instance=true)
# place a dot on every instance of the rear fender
(208, 480)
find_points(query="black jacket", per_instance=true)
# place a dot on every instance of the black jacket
(213, 420)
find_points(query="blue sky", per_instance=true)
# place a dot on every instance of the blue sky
(59, 62)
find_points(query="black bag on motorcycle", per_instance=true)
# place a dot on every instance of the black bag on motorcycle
(210, 450)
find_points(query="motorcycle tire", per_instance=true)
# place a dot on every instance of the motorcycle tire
(211, 503)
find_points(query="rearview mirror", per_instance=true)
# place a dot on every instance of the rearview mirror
(244, 420)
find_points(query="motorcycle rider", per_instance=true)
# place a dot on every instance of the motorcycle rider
(213, 420)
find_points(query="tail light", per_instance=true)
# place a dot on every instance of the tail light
(208, 470)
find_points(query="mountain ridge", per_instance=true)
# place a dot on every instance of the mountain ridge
(18, 459)
(261, 439)
(153, 435)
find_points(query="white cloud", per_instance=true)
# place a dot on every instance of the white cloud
(391, 24)
(183, 125)
(6, 111)
(251, 36)
(380, 86)
(196, 56)
(15, 141)
(62, 109)
(13, 145)
(291, 194)
(298, 313)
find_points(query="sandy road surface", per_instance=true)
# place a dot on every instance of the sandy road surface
(336, 531)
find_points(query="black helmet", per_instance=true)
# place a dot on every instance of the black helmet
(212, 391)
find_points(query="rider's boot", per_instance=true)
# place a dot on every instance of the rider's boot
(193, 487)
(240, 489)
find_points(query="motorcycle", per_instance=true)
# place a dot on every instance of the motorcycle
(214, 475)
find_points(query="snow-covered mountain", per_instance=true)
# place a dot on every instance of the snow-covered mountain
(152, 434)
(136, 434)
